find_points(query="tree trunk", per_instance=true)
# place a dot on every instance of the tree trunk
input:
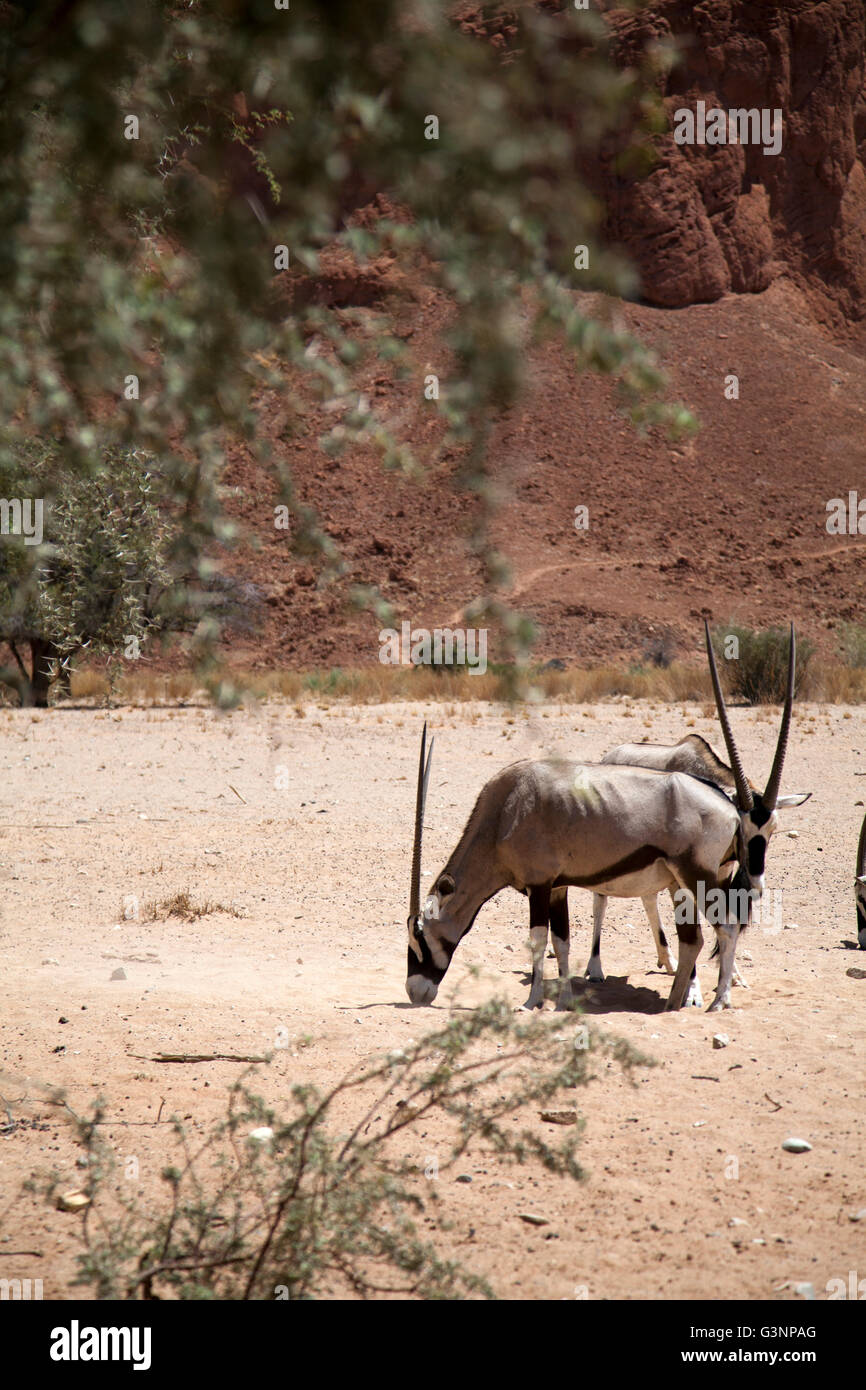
(42, 654)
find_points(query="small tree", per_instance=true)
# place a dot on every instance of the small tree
(324, 1197)
(90, 575)
(177, 182)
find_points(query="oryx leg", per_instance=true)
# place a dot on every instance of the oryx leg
(539, 918)
(651, 908)
(594, 971)
(691, 940)
(726, 935)
(694, 998)
(736, 978)
(559, 932)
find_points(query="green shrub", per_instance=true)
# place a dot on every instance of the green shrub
(325, 1201)
(90, 581)
(756, 665)
(852, 641)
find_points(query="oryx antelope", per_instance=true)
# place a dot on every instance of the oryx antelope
(695, 756)
(860, 887)
(621, 831)
(692, 755)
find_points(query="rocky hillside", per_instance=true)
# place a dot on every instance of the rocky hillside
(753, 265)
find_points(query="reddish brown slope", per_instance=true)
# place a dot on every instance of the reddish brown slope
(731, 524)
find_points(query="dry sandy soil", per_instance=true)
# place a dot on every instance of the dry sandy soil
(100, 805)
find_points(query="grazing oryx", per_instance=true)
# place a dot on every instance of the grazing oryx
(860, 887)
(626, 832)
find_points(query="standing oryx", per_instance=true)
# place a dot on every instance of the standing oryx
(860, 887)
(692, 755)
(695, 756)
(627, 832)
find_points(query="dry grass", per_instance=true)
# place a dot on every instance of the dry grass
(384, 684)
(183, 905)
(835, 684)
(144, 688)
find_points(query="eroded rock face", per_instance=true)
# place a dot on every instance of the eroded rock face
(709, 219)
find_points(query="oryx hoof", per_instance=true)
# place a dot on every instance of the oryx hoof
(594, 974)
(566, 1002)
(721, 1002)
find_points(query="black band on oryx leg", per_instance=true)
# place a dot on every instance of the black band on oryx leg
(559, 913)
(688, 932)
(539, 905)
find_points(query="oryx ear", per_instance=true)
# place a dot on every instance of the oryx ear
(445, 885)
(861, 878)
(795, 799)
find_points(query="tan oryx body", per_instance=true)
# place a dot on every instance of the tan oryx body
(620, 831)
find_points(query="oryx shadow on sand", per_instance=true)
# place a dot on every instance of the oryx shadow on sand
(614, 996)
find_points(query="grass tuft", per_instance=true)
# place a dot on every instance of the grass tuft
(183, 905)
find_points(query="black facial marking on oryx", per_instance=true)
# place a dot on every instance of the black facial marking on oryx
(759, 815)
(757, 851)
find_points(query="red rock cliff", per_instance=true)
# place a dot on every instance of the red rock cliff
(712, 219)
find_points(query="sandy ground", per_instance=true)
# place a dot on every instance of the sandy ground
(101, 807)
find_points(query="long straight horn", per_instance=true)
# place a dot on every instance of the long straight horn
(744, 791)
(771, 795)
(420, 800)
